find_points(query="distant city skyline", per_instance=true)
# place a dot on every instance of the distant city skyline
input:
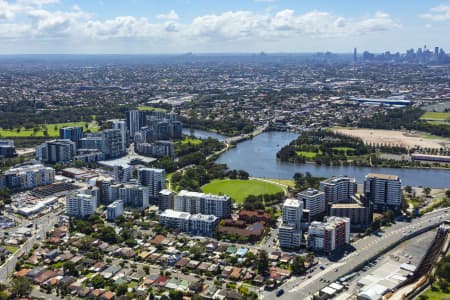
(238, 26)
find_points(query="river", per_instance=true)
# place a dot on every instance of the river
(258, 157)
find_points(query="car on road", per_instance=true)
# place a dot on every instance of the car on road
(280, 292)
(322, 267)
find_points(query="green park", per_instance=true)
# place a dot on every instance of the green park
(240, 189)
(46, 130)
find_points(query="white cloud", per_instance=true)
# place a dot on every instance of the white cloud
(437, 13)
(234, 27)
(171, 15)
(6, 10)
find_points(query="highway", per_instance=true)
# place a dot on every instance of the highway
(41, 225)
(366, 249)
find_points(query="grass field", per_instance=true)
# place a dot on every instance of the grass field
(344, 149)
(439, 116)
(240, 189)
(435, 295)
(288, 182)
(53, 130)
(305, 154)
(150, 108)
(11, 249)
(193, 141)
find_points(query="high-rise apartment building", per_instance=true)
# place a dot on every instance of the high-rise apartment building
(75, 134)
(114, 210)
(197, 224)
(122, 127)
(28, 177)
(56, 151)
(135, 119)
(80, 205)
(314, 201)
(329, 235)
(153, 179)
(7, 149)
(166, 200)
(338, 189)
(200, 203)
(290, 231)
(122, 173)
(383, 191)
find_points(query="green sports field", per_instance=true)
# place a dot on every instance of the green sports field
(150, 108)
(438, 116)
(52, 129)
(306, 154)
(240, 189)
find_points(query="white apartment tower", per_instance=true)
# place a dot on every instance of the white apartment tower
(384, 191)
(290, 232)
(80, 205)
(339, 189)
(313, 200)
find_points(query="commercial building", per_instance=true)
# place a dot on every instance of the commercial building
(28, 177)
(431, 158)
(290, 231)
(383, 191)
(314, 201)
(200, 203)
(114, 210)
(329, 235)
(75, 134)
(338, 189)
(56, 151)
(359, 214)
(198, 224)
(80, 205)
(7, 148)
(153, 179)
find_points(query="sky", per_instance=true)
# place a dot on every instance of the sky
(220, 26)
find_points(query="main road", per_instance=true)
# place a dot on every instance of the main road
(366, 249)
(41, 226)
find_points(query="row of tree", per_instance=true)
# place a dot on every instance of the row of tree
(408, 118)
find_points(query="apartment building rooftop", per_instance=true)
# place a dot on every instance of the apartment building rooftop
(382, 176)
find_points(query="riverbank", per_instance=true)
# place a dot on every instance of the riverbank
(331, 148)
(257, 156)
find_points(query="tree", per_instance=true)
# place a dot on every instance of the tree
(447, 193)
(20, 287)
(408, 189)
(443, 285)
(298, 265)
(262, 263)
(121, 289)
(146, 269)
(98, 281)
(197, 251)
(69, 269)
(427, 191)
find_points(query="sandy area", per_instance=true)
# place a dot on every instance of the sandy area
(394, 138)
